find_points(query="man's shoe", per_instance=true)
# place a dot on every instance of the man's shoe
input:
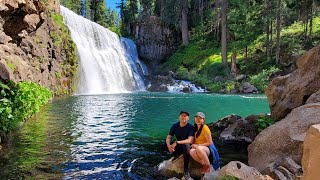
(187, 176)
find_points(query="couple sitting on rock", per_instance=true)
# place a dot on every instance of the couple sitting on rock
(193, 140)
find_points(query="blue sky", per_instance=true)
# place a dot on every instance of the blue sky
(112, 4)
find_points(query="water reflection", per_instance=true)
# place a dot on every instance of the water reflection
(112, 136)
(100, 135)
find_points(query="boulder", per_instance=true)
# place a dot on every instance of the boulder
(4, 38)
(5, 72)
(219, 79)
(263, 177)
(174, 168)
(288, 92)
(239, 170)
(311, 154)
(283, 139)
(235, 128)
(240, 77)
(314, 98)
(247, 88)
(32, 20)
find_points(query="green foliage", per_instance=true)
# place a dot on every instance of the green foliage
(62, 39)
(228, 177)
(11, 66)
(261, 80)
(19, 101)
(215, 87)
(230, 86)
(57, 74)
(131, 10)
(59, 36)
(73, 5)
(263, 122)
(244, 23)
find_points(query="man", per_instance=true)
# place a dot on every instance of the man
(184, 133)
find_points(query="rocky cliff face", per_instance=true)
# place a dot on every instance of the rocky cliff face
(293, 90)
(156, 41)
(35, 45)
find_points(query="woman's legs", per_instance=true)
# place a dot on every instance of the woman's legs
(203, 152)
(194, 155)
(200, 154)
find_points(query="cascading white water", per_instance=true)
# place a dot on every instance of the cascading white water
(107, 64)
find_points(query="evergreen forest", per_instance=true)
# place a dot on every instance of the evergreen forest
(258, 38)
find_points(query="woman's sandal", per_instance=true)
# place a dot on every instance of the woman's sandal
(205, 169)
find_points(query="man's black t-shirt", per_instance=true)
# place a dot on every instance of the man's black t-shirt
(181, 133)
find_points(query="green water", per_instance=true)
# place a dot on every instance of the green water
(113, 136)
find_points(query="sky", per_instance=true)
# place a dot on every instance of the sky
(112, 4)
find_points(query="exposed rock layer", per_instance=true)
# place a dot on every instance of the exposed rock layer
(35, 45)
(156, 40)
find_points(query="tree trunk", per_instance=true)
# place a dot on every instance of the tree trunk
(184, 22)
(311, 18)
(278, 28)
(267, 39)
(305, 19)
(224, 33)
(271, 38)
(246, 58)
(201, 10)
(234, 69)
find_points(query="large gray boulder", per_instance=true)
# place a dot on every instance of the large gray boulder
(235, 128)
(169, 169)
(288, 92)
(239, 170)
(283, 139)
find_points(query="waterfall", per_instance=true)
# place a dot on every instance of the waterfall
(108, 64)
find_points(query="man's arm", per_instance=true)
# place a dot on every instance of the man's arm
(186, 141)
(168, 140)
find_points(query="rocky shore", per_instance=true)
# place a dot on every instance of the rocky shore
(289, 148)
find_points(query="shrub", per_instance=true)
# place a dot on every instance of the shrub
(19, 102)
(261, 80)
(263, 122)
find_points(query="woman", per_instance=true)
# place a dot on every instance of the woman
(203, 150)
